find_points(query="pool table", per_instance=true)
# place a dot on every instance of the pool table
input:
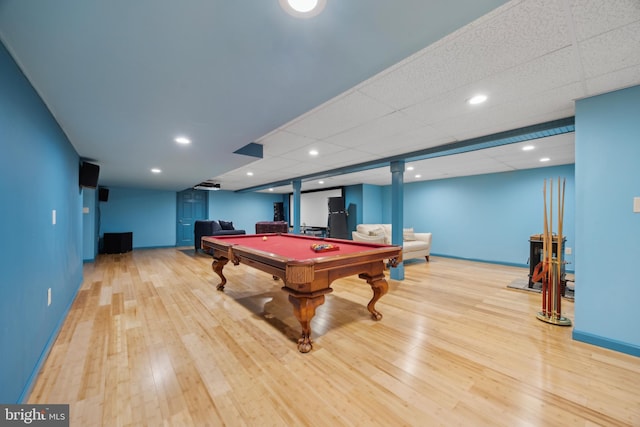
(307, 275)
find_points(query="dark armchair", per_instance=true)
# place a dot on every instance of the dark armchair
(212, 228)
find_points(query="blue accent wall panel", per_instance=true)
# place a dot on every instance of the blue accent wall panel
(149, 214)
(243, 209)
(485, 217)
(38, 174)
(89, 225)
(372, 205)
(607, 229)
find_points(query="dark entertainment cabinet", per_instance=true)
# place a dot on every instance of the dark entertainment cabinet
(117, 243)
(535, 256)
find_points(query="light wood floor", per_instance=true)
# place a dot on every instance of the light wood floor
(149, 341)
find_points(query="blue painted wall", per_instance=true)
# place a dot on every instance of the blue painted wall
(38, 174)
(373, 206)
(608, 232)
(149, 214)
(243, 209)
(485, 217)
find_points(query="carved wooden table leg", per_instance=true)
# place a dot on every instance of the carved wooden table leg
(304, 308)
(380, 287)
(217, 265)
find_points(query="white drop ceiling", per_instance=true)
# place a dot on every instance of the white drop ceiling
(362, 81)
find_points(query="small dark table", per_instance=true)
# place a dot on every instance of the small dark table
(272, 227)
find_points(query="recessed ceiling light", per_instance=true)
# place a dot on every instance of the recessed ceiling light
(156, 170)
(409, 168)
(303, 8)
(477, 99)
(545, 159)
(249, 173)
(182, 140)
(313, 152)
(528, 148)
(271, 189)
(418, 176)
(320, 182)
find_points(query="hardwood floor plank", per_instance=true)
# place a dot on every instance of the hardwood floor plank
(150, 341)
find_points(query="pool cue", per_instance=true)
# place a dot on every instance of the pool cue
(544, 252)
(556, 272)
(552, 260)
(551, 267)
(560, 249)
(550, 246)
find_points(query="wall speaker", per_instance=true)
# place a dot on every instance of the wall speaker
(278, 211)
(89, 175)
(336, 204)
(338, 225)
(103, 194)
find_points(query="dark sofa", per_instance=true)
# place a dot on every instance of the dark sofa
(212, 228)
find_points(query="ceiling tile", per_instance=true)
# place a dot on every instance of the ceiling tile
(516, 35)
(613, 81)
(545, 106)
(378, 131)
(594, 17)
(302, 154)
(346, 112)
(407, 142)
(599, 58)
(281, 142)
(347, 157)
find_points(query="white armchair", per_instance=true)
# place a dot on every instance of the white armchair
(414, 245)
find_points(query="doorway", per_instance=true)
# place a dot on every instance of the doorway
(192, 205)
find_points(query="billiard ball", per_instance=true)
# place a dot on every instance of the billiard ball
(264, 238)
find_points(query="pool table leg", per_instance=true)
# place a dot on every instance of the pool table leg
(380, 287)
(217, 265)
(304, 308)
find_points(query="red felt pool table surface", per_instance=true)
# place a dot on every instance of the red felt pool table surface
(295, 247)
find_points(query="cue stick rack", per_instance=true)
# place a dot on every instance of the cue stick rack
(549, 270)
